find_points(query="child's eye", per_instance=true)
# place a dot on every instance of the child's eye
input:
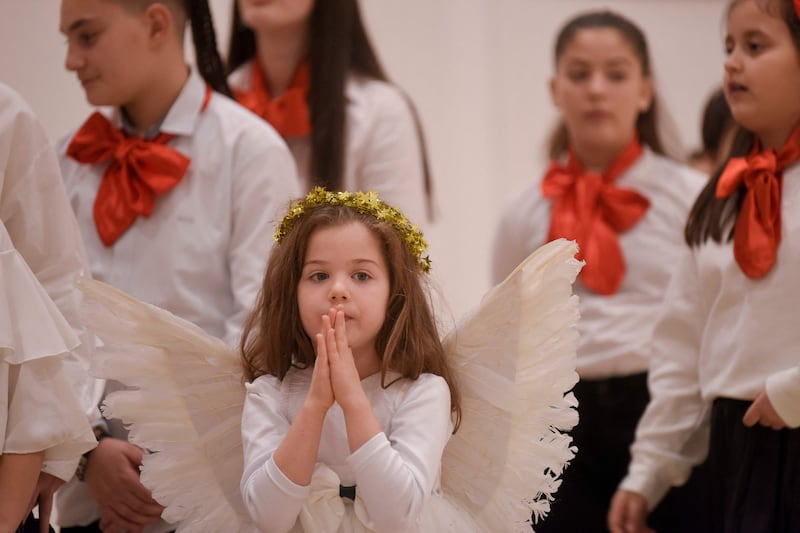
(617, 76)
(319, 276)
(577, 75)
(361, 276)
(754, 46)
(87, 38)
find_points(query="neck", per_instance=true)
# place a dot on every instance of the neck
(367, 363)
(157, 99)
(597, 158)
(280, 52)
(776, 138)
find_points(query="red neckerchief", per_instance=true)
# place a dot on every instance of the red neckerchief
(138, 172)
(757, 233)
(589, 208)
(288, 113)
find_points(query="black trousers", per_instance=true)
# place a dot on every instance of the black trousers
(609, 412)
(31, 525)
(754, 472)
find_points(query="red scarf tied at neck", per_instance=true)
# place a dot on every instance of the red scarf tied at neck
(138, 171)
(287, 113)
(757, 233)
(592, 209)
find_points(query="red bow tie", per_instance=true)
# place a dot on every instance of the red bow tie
(137, 172)
(591, 209)
(757, 233)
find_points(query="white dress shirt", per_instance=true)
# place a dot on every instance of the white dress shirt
(382, 147)
(722, 335)
(201, 253)
(42, 374)
(402, 463)
(615, 330)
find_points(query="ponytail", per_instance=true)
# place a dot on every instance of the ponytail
(209, 62)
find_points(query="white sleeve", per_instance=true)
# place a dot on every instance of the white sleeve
(392, 163)
(783, 390)
(672, 435)
(272, 500)
(38, 217)
(511, 244)
(405, 460)
(263, 184)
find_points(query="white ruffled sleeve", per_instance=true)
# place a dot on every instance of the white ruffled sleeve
(672, 435)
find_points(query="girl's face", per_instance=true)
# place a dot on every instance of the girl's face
(107, 48)
(344, 266)
(266, 15)
(762, 72)
(600, 89)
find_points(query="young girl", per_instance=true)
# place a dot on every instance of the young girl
(346, 424)
(175, 189)
(611, 187)
(342, 371)
(43, 428)
(725, 352)
(309, 68)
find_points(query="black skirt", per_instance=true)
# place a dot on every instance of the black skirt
(755, 474)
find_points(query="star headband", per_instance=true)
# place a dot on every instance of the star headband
(366, 203)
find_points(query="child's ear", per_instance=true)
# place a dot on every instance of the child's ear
(160, 22)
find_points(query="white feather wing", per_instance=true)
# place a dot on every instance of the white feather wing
(515, 361)
(185, 406)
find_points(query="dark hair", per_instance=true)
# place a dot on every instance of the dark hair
(646, 125)
(408, 342)
(338, 45)
(209, 61)
(717, 120)
(713, 217)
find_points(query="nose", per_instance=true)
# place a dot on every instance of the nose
(597, 83)
(73, 60)
(732, 62)
(339, 291)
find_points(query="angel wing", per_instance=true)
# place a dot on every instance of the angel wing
(515, 360)
(515, 357)
(186, 406)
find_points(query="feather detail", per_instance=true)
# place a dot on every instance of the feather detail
(185, 407)
(515, 359)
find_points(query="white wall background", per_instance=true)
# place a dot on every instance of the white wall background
(478, 72)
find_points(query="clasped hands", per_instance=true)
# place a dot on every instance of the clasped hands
(335, 376)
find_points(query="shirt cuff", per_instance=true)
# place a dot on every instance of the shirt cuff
(783, 391)
(359, 458)
(648, 485)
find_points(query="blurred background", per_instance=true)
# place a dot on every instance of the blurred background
(478, 71)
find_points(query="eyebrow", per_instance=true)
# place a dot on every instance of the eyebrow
(611, 62)
(358, 261)
(77, 25)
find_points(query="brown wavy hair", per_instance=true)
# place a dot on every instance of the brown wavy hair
(408, 342)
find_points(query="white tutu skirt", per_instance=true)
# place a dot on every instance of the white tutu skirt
(38, 406)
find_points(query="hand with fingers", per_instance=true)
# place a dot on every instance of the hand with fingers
(628, 513)
(320, 394)
(762, 412)
(112, 475)
(345, 379)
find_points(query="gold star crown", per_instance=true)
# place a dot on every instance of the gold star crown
(366, 203)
